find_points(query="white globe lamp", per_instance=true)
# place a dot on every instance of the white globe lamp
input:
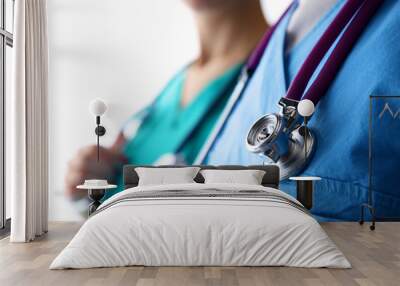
(97, 107)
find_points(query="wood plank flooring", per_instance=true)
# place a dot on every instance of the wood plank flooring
(375, 257)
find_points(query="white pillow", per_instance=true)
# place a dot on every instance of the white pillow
(166, 176)
(248, 177)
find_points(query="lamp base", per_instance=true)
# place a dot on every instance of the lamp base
(100, 130)
(95, 195)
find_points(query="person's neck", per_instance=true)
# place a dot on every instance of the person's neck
(306, 16)
(230, 34)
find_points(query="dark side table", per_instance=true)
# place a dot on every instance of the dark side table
(95, 194)
(305, 187)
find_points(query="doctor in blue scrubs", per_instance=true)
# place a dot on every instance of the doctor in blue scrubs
(340, 121)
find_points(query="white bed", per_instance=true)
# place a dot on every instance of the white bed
(239, 229)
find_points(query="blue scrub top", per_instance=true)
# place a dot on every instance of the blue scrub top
(341, 120)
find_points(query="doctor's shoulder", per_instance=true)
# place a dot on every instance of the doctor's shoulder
(378, 52)
(383, 37)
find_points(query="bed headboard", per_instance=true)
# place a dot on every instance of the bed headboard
(270, 179)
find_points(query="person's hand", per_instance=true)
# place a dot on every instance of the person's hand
(84, 166)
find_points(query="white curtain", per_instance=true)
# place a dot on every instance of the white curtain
(28, 122)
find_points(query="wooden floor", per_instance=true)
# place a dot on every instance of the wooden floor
(375, 257)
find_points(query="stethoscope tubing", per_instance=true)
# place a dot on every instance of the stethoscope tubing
(357, 13)
(343, 48)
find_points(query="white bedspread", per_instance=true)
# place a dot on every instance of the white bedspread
(183, 231)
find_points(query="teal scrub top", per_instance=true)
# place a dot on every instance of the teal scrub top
(168, 127)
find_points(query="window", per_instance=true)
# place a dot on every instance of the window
(6, 44)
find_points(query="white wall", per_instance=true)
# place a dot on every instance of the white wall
(274, 8)
(122, 51)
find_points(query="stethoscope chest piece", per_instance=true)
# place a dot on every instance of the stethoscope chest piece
(282, 139)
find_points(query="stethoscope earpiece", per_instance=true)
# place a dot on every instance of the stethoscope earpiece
(306, 108)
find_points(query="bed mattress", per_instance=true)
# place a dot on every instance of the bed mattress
(201, 225)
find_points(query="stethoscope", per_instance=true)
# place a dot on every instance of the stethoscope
(281, 137)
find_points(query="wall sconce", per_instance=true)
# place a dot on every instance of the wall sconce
(97, 107)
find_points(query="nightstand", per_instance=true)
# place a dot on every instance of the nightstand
(95, 193)
(305, 186)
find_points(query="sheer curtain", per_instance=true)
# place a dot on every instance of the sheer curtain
(28, 123)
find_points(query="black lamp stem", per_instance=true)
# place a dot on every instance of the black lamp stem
(100, 131)
(98, 148)
(98, 138)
